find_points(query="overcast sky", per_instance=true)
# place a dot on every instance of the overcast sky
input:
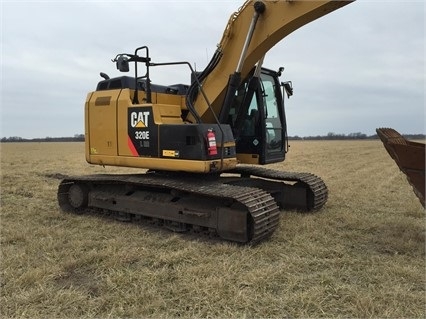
(356, 69)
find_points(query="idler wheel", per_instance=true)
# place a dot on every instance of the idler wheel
(78, 196)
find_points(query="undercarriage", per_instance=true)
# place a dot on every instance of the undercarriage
(242, 205)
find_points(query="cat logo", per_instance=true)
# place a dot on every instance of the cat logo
(139, 119)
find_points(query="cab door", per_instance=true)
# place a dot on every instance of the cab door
(258, 120)
(274, 122)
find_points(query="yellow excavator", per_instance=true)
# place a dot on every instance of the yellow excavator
(203, 143)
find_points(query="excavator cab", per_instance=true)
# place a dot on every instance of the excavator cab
(257, 118)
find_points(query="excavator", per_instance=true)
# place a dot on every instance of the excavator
(202, 145)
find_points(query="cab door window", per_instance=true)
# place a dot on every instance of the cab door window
(273, 124)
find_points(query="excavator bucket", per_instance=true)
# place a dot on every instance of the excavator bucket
(409, 156)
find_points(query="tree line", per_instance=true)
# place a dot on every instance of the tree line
(75, 138)
(352, 136)
(329, 136)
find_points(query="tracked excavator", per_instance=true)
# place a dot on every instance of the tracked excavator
(202, 144)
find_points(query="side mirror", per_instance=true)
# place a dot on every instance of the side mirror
(288, 87)
(122, 64)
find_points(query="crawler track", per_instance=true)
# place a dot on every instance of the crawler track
(309, 191)
(235, 213)
(240, 208)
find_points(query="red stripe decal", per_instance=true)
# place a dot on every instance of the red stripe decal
(131, 146)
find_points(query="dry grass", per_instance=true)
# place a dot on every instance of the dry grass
(362, 256)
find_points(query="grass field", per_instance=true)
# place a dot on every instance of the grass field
(362, 255)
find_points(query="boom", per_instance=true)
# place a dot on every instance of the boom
(274, 22)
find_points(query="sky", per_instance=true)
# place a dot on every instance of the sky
(354, 70)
